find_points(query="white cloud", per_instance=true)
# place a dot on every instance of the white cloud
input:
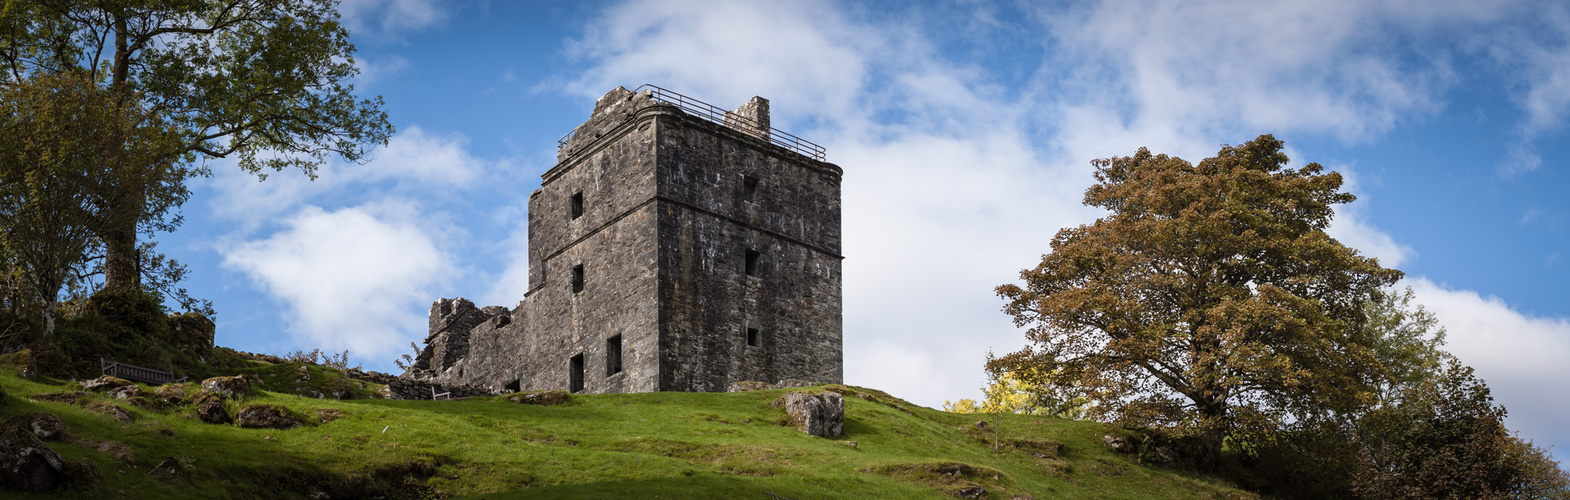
(414, 161)
(373, 70)
(390, 17)
(355, 278)
(1522, 357)
(800, 55)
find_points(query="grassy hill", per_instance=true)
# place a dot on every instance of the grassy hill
(661, 445)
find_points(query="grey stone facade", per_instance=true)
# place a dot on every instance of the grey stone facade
(668, 251)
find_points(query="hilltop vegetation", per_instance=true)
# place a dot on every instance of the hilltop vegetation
(672, 445)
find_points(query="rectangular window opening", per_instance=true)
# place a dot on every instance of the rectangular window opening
(753, 256)
(575, 374)
(749, 188)
(577, 278)
(576, 205)
(515, 385)
(613, 355)
(754, 338)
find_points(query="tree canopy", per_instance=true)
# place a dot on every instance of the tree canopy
(1209, 299)
(76, 161)
(267, 82)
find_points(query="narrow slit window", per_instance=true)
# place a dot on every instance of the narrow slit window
(749, 188)
(613, 355)
(577, 278)
(754, 338)
(575, 374)
(753, 257)
(575, 206)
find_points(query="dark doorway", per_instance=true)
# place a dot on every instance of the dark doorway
(575, 374)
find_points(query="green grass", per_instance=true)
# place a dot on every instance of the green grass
(660, 445)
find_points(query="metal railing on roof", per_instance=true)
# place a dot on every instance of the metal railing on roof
(723, 117)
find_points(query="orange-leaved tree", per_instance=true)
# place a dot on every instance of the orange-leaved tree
(1209, 300)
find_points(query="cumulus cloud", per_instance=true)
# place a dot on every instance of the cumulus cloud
(374, 69)
(391, 17)
(354, 278)
(414, 160)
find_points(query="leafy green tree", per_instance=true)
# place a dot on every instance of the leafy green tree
(1209, 299)
(63, 177)
(264, 81)
(1446, 439)
(1027, 390)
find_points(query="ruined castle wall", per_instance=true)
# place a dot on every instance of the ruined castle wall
(709, 221)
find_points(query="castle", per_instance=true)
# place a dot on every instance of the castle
(675, 246)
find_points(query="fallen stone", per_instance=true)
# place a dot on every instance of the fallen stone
(167, 469)
(820, 414)
(229, 387)
(46, 426)
(1117, 443)
(546, 398)
(125, 392)
(971, 492)
(27, 464)
(170, 394)
(83, 475)
(265, 416)
(105, 383)
(112, 410)
(210, 409)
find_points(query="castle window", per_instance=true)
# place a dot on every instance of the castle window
(749, 188)
(754, 338)
(577, 278)
(515, 385)
(575, 374)
(575, 206)
(753, 256)
(613, 355)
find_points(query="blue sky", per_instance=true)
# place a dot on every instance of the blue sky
(966, 131)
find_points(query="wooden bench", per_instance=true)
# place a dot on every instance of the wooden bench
(138, 373)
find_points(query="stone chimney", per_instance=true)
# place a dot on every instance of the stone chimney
(752, 118)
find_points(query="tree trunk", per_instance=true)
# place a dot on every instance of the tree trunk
(49, 318)
(120, 263)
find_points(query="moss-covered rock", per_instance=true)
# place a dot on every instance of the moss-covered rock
(266, 416)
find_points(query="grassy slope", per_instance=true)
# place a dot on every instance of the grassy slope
(662, 445)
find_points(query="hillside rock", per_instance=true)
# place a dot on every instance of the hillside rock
(229, 387)
(27, 464)
(105, 383)
(264, 416)
(44, 425)
(170, 394)
(210, 409)
(820, 414)
(126, 392)
(112, 410)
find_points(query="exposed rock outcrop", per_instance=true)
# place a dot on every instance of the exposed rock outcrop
(229, 387)
(26, 463)
(265, 416)
(820, 414)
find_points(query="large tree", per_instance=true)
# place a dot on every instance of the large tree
(64, 176)
(267, 82)
(1209, 299)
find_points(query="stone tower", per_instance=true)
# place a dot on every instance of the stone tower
(675, 246)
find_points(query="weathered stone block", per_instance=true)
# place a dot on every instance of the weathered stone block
(820, 414)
